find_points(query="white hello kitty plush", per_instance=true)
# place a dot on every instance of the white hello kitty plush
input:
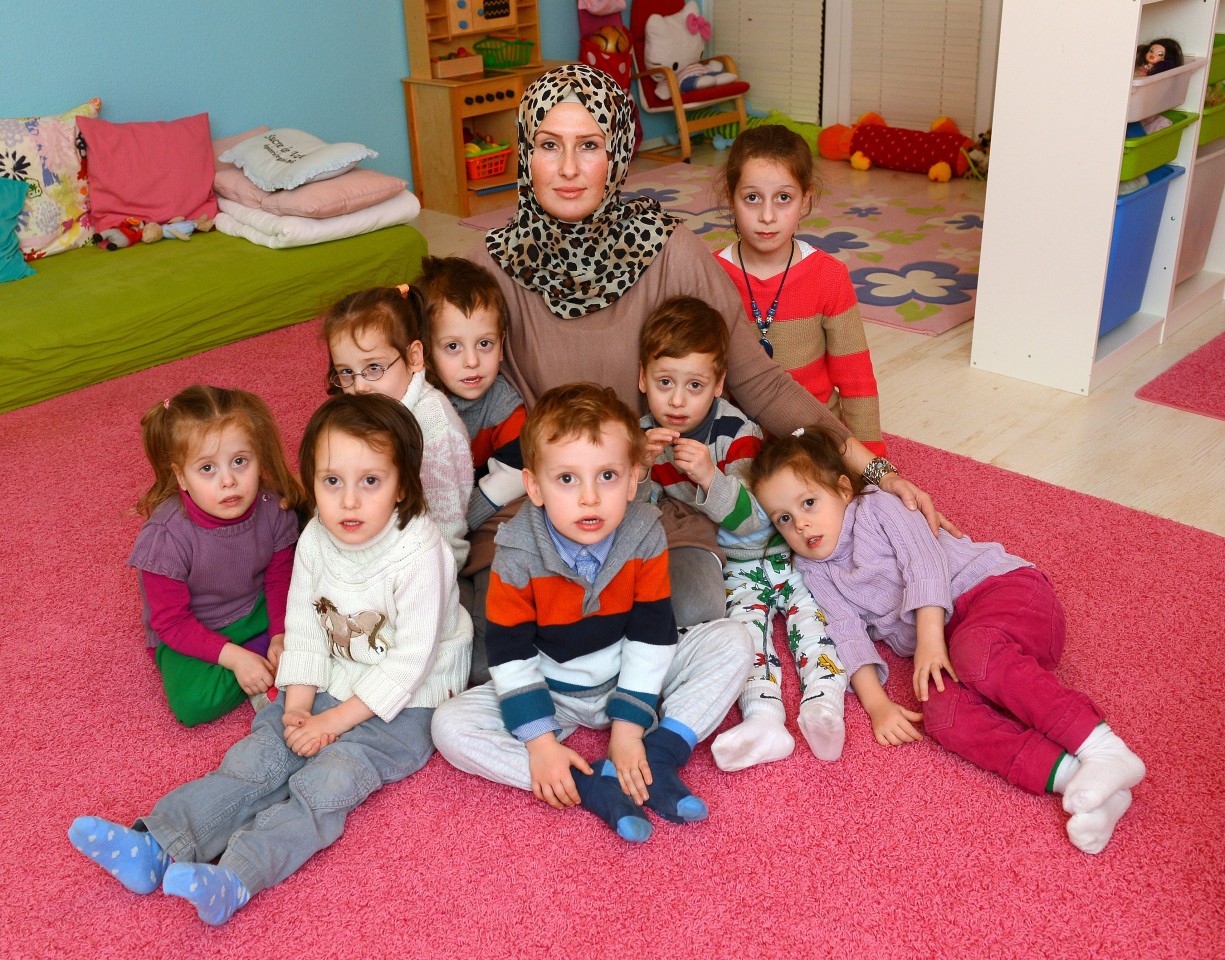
(677, 41)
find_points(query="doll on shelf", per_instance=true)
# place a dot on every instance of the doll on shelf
(1157, 56)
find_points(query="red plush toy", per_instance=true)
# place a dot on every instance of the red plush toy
(940, 152)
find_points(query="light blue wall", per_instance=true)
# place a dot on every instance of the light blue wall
(331, 69)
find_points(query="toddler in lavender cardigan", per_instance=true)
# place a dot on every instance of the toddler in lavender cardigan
(984, 628)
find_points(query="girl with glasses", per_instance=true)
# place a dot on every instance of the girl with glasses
(374, 340)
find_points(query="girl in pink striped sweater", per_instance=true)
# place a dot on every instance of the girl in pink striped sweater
(798, 299)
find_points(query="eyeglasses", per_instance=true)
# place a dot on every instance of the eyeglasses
(373, 371)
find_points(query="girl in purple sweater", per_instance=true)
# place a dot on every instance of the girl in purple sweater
(984, 628)
(216, 550)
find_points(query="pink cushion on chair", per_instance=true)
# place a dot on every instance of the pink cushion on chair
(154, 171)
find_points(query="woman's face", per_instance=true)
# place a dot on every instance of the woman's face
(569, 164)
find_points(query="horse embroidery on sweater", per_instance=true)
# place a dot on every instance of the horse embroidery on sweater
(341, 629)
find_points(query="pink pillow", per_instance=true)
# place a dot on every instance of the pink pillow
(355, 190)
(154, 171)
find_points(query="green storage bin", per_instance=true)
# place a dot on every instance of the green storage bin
(1216, 69)
(1212, 126)
(1142, 154)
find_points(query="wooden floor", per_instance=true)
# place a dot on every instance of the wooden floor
(1109, 444)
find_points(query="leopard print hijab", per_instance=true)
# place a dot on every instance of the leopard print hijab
(582, 267)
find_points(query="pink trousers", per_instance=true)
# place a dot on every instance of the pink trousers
(1009, 714)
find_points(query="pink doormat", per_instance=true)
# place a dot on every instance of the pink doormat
(890, 852)
(1196, 383)
(910, 245)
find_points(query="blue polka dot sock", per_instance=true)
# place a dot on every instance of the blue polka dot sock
(215, 891)
(601, 793)
(669, 747)
(132, 857)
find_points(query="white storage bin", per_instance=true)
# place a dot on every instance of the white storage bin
(1203, 204)
(1150, 95)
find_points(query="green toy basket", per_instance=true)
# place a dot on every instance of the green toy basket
(1212, 125)
(499, 53)
(1142, 154)
(1216, 67)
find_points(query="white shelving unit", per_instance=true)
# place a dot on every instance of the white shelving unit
(1062, 90)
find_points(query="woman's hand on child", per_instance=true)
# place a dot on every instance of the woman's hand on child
(253, 672)
(916, 499)
(629, 756)
(550, 761)
(894, 725)
(693, 460)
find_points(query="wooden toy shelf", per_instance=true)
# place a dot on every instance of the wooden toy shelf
(437, 110)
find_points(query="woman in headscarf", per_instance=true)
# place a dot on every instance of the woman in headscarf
(582, 268)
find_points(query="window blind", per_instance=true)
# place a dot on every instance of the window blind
(777, 48)
(915, 60)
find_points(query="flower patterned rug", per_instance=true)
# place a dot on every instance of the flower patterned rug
(911, 245)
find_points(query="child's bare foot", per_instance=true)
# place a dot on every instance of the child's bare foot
(822, 725)
(758, 739)
(1091, 831)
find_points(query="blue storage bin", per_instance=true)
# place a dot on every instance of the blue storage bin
(1136, 219)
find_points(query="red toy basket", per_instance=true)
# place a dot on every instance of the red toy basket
(487, 164)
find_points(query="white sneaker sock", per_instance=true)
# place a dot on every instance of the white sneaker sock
(1106, 767)
(1092, 830)
(823, 727)
(759, 738)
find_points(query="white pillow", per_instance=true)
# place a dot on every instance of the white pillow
(285, 158)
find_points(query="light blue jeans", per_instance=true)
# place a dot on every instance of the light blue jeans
(266, 810)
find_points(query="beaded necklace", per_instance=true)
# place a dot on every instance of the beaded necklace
(763, 326)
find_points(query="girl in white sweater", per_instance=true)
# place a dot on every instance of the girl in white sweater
(375, 639)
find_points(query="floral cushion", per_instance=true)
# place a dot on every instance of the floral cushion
(43, 153)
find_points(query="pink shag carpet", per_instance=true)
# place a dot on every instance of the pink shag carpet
(886, 854)
(911, 245)
(1196, 383)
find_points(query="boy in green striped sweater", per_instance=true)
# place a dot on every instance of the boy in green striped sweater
(699, 447)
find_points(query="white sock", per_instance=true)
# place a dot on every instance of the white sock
(1106, 767)
(1065, 770)
(760, 738)
(1092, 830)
(822, 725)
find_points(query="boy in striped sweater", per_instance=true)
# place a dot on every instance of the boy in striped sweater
(581, 633)
(698, 451)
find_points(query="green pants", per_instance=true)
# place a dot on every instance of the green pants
(199, 691)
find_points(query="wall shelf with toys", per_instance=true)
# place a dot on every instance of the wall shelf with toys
(470, 61)
(1053, 207)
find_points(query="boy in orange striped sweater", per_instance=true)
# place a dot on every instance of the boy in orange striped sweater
(581, 633)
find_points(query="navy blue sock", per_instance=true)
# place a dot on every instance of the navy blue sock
(669, 747)
(601, 793)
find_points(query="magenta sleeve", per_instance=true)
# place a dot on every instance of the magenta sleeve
(276, 589)
(171, 618)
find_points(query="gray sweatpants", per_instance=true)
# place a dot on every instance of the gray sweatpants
(266, 810)
(707, 674)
